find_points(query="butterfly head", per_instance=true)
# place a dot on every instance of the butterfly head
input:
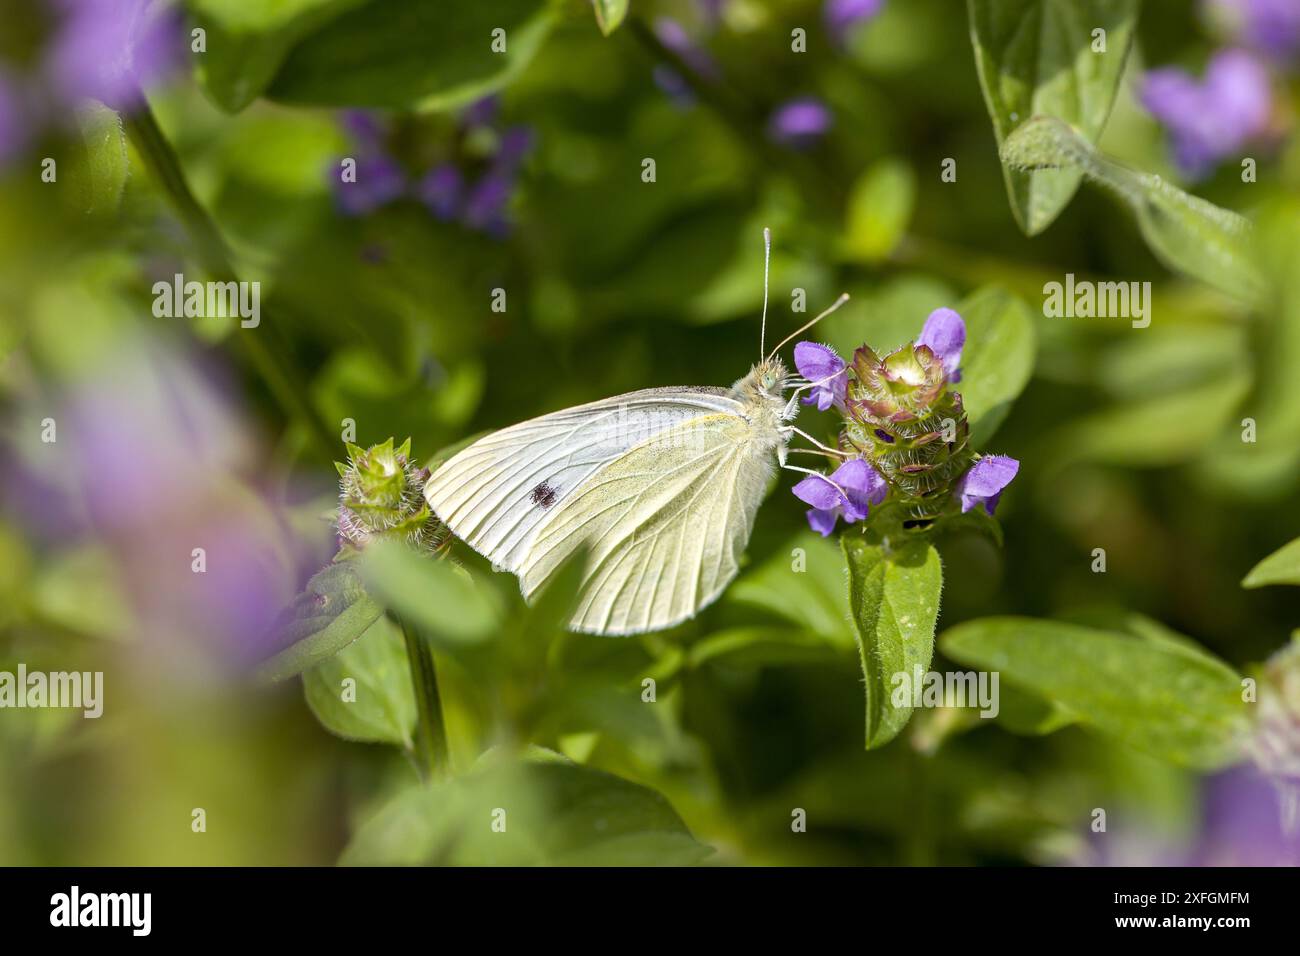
(767, 380)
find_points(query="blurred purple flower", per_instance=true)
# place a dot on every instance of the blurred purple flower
(820, 363)
(366, 128)
(149, 433)
(516, 143)
(442, 190)
(1240, 825)
(711, 11)
(944, 334)
(148, 453)
(799, 123)
(482, 112)
(674, 36)
(674, 85)
(485, 207)
(380, 180)
(862, 487)
(1213, 119)
(1270, 26)
(112, 50)
(842, 16)
(985, 481)
(13, 126)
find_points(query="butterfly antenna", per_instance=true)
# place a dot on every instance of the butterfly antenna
(844, 297)
(767, 261)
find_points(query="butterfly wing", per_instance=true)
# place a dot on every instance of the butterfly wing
(664, 525)
(496, 493)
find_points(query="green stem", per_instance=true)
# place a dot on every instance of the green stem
(282, 379)
(431, 733)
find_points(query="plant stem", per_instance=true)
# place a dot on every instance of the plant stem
(286, 387)
(431, 733)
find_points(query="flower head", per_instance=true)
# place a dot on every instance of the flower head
(984, 483)
(464, 186)
(821, 365)
(1214, 118)
(800, 122)
(849, 493)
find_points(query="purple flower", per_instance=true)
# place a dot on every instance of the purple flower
(480, 112)
(819, 364)
(485, 208)
(674, 36)
(799, 123)
(13, 128)
(984, 483)
(945, 334)
(862, 487)
(442, 189)
(675, 85)
(380, 180)
(111, 50)
(365, 128)
(1213, 119)
(1270, 26)
(843, 15)
(516, 143)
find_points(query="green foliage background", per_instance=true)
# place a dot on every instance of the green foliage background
(1129, 440)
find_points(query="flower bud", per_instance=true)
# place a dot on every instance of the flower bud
(381, 496)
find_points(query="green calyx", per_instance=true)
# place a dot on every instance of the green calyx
(381, 497)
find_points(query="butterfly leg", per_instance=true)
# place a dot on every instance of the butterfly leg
(791, 430)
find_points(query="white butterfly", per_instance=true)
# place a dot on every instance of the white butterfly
(659, 486)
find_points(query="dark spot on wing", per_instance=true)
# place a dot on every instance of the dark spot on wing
(544, 495)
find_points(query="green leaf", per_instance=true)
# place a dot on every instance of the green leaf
(1161, 695)
(547, 812)
(382, 709)
(998, 359)
(1164, 430)
(100, 172)
(610, 14)
(879, 210)
(439, 598)
(1036, 57)
(332, 613)
(802, 582)
(413, 54)
(760, 646)
(1280, 567)
(894, 600)
(1186, 233)
(247, 41)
